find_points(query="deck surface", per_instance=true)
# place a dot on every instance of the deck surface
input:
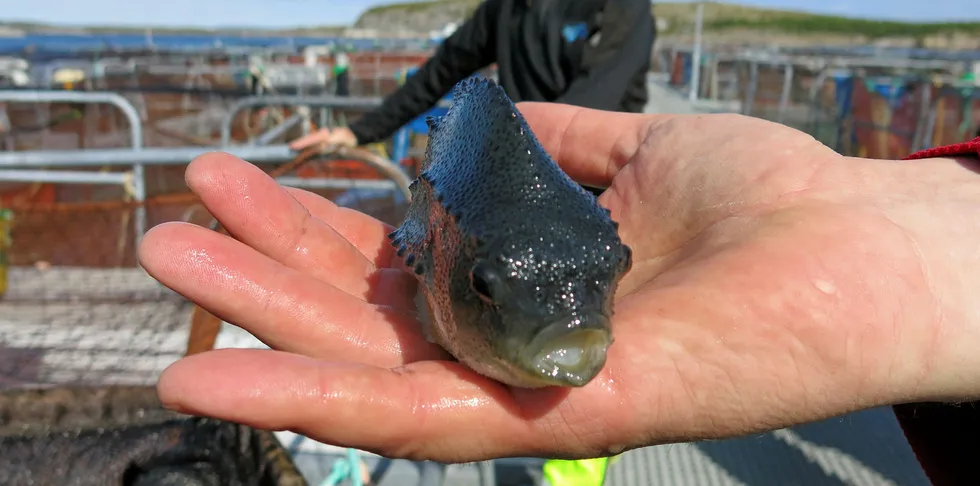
(122, 327)
(72, 325)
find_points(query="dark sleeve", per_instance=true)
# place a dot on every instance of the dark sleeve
(626, 42)
(470, 48)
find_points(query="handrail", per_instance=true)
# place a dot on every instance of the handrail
(98, 97)
(327, 101)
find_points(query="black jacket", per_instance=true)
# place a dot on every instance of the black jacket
(591, 53)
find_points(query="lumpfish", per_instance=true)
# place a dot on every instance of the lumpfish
(517, 263)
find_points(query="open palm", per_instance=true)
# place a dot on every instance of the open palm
(748, 307)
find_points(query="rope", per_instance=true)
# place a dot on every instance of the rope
(348, 468)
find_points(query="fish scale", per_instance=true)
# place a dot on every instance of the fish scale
(512, 254)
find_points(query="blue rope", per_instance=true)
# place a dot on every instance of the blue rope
(349, 468)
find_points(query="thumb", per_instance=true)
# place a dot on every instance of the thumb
(590, 145)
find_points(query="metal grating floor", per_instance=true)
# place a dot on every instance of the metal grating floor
(861, 449)
(84, 326)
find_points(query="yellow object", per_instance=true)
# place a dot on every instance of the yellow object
(5, 243)
(584, 472)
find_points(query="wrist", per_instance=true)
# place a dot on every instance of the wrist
(933, 204)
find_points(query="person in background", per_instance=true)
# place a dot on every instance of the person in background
(341, 74)
(588, 53)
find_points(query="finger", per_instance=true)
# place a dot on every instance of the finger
(256, 210)
(309, 139)
(590, 145)
(365, 233)
(424, 410)
(284, 308)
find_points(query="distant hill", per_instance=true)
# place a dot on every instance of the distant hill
(723, 23)
(40, 28)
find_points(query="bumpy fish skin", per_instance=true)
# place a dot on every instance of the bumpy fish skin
(512, 255)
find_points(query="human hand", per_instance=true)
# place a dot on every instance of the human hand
(325, 137)
(774, 282)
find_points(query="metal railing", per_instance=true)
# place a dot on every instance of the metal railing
(857, 105)
(25, 166)
(136, 183)
(333, 102)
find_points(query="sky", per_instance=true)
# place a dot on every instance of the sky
(291, 13)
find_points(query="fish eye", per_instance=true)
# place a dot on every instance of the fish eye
(484, 281)
(626, 260)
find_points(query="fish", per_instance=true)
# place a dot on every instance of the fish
(517, 263)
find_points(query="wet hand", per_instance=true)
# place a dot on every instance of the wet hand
(325, 138)
(771, 286)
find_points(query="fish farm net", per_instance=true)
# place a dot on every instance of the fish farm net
(75, 307)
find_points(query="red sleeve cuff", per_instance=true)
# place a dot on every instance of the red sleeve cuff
(966, 148)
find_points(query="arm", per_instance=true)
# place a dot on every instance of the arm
(468, 49)
(628, 33)
(944, 437)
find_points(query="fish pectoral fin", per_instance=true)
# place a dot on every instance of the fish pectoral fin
(410, 240)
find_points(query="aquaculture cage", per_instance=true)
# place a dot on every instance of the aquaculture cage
(81, 323)
(84, 331)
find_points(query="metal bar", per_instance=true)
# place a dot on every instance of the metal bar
(91, 97)
(751, 88)
(183, 155)
(63, 176)
(318, 183)
(696, 55)
(787, 91)
(924, 118)
(342, 102)
(815, 114)
(278, 130)
(147, 156)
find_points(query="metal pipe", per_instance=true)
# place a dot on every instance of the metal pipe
(135, 128)
(696, 55)
(63, 176)
(183, 155)
(814, 116)
(337, 183)
(147, 156)
(342, 102)
(279, 130)
(925, 120)
(431, 473)
(751, 89)
(785, 95)
(88, 97)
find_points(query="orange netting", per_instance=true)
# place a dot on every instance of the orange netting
(78, 309)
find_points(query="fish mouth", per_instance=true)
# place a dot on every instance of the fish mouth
(570, 352)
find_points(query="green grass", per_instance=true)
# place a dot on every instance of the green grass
(844, 26)
(418, 7)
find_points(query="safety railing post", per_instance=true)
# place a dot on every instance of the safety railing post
(135, 128)
(750, 90)
(787, 91)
